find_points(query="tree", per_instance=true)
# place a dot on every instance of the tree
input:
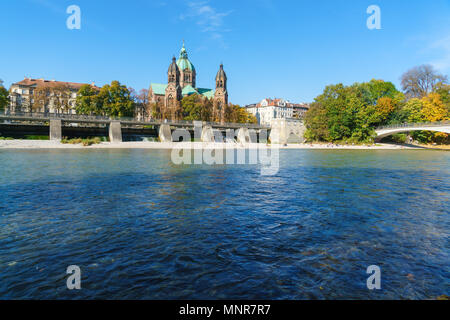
(196, 107)
(88, 102)
(117, 100)
(113, 100)
(40, 99)
(236, 114)
(61, 98)
(384, 108)
(142, 103)
(412, 111)
(4, 96)
(351, 113)
(422, 80)
(433, 108)
(156, 110)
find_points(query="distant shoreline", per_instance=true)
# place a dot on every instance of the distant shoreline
(46, 144)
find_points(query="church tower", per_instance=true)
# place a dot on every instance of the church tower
(173, 92)
(220, 96)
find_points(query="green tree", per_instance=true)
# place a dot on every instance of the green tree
(4, 99)
(412, 111)
(351, 113)
(117, 100)
(196, 107)
(87, 101)
(113, 100)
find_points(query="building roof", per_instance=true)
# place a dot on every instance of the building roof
(183, 61)
(160, 89)
(221, 73)
(51, 83)
(173, 68)
(209, 93)
(278, 103)
(188, 90)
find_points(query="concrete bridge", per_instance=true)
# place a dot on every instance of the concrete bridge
(443, 126)
(57, 125)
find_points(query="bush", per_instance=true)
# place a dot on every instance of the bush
(85, 142)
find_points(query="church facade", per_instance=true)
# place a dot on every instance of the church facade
(181, 82)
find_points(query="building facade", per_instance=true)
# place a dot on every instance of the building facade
(182, 82)
(46, 96)
(270, 109)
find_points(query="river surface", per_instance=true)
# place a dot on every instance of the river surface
(140, 227)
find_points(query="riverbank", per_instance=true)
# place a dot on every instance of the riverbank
(46, 144)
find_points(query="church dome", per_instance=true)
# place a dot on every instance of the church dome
(183, 61)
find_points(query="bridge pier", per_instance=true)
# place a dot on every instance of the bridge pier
(164, 133)
(244, 135)
(55, 129)
(207, 134)
(287, 131)
(115, 132)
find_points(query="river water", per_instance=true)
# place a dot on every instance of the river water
(140, 227)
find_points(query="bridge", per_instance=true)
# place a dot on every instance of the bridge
(59, 125)
(443, 126)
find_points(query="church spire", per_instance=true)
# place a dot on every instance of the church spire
(174, 72)
(221, 78)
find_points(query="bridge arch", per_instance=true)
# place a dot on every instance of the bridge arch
(432, 126)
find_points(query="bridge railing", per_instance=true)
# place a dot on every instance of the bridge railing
(415, 125)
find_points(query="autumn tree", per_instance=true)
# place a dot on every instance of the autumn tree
(61, 98)
(143, 104)
(236, 114)
(40, 99)
(433, 108)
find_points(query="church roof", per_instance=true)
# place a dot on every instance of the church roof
(209, 93)
(188, 90)
(183, 61)
(221, 73)
(173, 66)
(160, 89)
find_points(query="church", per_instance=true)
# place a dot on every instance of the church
(181, 82)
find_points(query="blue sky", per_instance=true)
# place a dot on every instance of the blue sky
(270, 48)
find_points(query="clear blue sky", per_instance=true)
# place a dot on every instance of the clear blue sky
(270, 48)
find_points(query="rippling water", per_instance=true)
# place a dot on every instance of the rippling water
(140, 227)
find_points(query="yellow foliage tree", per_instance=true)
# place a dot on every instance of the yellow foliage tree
(433, 108)
(385, 107)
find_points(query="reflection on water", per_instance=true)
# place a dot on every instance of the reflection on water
(140, 227)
